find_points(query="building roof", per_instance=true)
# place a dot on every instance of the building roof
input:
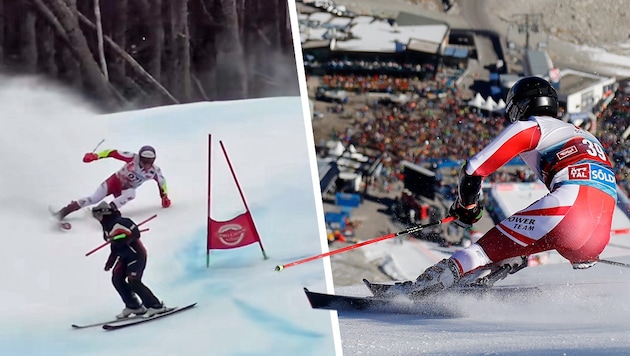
(539, 63)
(409, 19)
(573, 81)
(374, 35)
(383, 36)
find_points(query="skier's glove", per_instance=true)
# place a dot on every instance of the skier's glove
(166, 202)
(89, 157)
(465, 217)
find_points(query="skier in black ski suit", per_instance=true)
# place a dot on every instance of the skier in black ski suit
(128, 258)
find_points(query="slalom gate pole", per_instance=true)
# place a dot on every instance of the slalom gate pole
(109, 241)
(410, 230)
(98, 145)
(620, 231)
(615, 263)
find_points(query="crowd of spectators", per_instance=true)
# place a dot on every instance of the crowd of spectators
(370, 66)
(426, 128)
(445, 128)
(366, 83)
(613, 122)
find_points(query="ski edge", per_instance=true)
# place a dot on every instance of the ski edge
(117, 326)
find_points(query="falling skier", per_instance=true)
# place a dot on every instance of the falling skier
(574, 218)
(128, 258)
(138, 169)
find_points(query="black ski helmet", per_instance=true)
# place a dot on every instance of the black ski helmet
(531, 96)
(147, 154)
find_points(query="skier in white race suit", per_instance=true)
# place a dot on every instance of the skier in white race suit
(138, 168)
(574, 219)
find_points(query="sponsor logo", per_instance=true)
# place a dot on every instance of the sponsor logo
(231, 234)
(520, 223)
(603, 175)
(594, 173)
(566, 152)
(580, 171)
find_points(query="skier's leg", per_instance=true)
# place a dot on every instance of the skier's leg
(119, 280)
(135, 271)
(593, 220)
(124, 197)
(98, 195)
(574, 220)
(531, 230)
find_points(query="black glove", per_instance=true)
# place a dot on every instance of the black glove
(465, 217)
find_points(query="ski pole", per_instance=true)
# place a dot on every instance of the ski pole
(410, 230)
(98, 145)
(109, 241)
(615, 263)
(620, 231)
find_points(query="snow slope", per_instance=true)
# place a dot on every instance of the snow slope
(244, 306)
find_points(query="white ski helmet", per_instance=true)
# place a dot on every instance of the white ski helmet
(147, 154)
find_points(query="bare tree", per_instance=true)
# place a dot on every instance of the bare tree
(99, 35)
(231, 69)
(148, 52)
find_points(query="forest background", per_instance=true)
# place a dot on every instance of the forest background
(129, 54)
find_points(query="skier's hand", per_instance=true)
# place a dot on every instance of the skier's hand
(166, 202)
(107, 268)
(89, 157)
(465, 217)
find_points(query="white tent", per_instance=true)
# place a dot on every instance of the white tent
(489, 105)
(477, 101)
(500, 107)
(337, 149)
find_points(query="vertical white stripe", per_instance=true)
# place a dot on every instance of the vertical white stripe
(310, 142)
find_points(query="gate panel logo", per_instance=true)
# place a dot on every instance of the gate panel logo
(231, 234)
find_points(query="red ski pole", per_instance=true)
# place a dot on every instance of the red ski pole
(109, 241)
(410, 230)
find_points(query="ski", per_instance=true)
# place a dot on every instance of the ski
(345, 302)
(117, 326)
(379, 289)
(100, 323)
(425, 304)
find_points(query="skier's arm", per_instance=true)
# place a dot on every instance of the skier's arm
(161, 182)
(110, 260)
(119, 155)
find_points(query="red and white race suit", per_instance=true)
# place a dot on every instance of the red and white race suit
(574, 218)
(122, 184)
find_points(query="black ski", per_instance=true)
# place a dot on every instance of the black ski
(117, 326)
(426, 304)
(345, 302)
(379, 289)
(84, 326)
